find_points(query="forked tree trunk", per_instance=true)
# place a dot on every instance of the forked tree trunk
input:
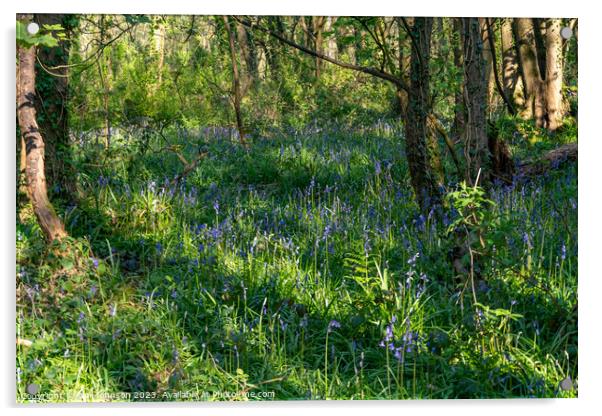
(416, 129)
(475, 99)
(554, 64)
(49, 222)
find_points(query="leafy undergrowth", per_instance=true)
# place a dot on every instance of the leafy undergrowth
(301, 269)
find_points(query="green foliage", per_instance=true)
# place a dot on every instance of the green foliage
(473, 207)
(49, 35)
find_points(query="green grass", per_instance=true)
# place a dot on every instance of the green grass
(234, 282)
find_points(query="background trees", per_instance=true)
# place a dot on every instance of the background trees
(254, 73)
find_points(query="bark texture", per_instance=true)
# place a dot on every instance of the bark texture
(532, 79)
(49, 222)
(416, 129)
(475, 99)
(554, 64)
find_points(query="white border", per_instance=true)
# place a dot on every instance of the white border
(589, 184)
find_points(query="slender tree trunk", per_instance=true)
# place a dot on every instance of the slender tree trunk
(106, 88)
(331, 43)
(249, 55)
(534, 85)
(404, 46)
(160, 46)
(513, 85)
(498, 83)
(489, 64)
(459, 124)
(419, 107)
(554, 76)
(318, 29)
(49, 222)
(236, 82)
(475, 98)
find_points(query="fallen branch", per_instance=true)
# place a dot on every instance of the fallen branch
(551, 160)
(188, 167)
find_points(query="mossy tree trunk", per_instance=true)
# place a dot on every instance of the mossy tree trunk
(52, 90)
(419, 107)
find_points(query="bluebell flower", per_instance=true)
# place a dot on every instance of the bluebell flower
(389, 333)
(563, 252)
(333, 324)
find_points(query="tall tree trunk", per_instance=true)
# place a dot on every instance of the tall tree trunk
(475, 99)
(498, 83)
(53, 92)
(106, 88)
(159, 35)
(419, 107)
(513, 85)
(236, 82)
(489, 64)
(249, 54)
(49, 222)
(459, 124)
(554, 76)
(317, 31)
(404, 52)
(331, 43)
(534, 85)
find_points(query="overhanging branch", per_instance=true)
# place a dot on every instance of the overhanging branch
(366, 70)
